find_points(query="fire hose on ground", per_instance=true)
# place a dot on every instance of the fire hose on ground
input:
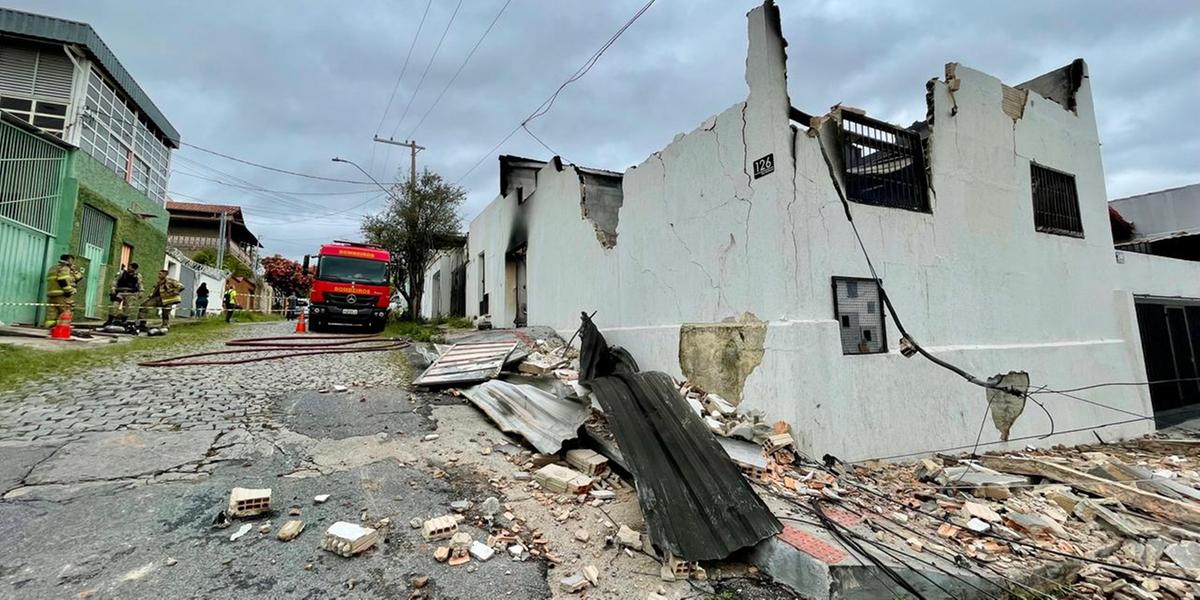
(284, 347)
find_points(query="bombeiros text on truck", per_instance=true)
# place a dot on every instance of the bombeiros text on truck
(351, 286)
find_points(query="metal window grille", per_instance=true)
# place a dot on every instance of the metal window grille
(1055, 201)
(884, 164)
(113, 130)
(30, 175)
(859, 311)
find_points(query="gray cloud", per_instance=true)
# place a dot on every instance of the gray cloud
(291, 84)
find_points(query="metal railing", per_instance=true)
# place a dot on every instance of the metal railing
(1055, 201)
(30, 176)
(884, 164)
(200, 242)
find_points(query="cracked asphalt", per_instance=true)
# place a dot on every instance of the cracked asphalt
(110, 481)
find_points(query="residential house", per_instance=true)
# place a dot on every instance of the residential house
(192, 275)
(86, 158)
(728, 258)
(196, 228)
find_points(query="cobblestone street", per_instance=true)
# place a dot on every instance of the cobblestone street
(111, 479)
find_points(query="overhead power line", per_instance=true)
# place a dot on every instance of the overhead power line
(429, 64)
(404, 68)
(253, 189)
(275, 169)
(246, 187)
(548, 103)
(466, 60)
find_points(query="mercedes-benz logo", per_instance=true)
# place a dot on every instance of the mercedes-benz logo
(351, 299)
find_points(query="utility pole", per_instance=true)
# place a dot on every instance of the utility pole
(413, 147)
(221, 243)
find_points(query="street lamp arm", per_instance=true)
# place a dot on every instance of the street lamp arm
(364, 172)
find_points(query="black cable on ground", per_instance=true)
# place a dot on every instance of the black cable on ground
(891, 573)
(276, 348)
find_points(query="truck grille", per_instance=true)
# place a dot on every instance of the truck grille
(361, 300)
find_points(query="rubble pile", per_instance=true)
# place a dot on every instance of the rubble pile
(1105, 521)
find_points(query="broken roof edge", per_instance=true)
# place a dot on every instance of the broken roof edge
(509, 162)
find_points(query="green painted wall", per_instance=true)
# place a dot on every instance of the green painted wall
(103, 190)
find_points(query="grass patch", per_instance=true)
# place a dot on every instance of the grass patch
(19, 364)
(417, 332)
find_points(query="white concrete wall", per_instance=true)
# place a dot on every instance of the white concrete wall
(437, 303)
(700, 240)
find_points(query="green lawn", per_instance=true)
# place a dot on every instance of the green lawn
(19, 363)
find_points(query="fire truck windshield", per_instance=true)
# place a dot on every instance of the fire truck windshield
(352, 270)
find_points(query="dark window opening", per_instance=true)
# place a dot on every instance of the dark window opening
(884, 164)
(1055, 201)
(862, 330)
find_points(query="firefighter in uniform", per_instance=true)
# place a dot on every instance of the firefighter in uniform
(127, 287)
(164, 295)
(61, 283)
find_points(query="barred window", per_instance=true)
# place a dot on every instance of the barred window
(859, 310)
(884, 164)
(1055, 201)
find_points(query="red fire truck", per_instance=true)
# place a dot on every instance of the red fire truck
(350, 287)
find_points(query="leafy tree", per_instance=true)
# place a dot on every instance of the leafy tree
(208, 257)
(420, 220)
(286, 276)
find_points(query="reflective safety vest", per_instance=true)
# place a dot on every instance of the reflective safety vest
(61, 280)
(230, 297)
(168, 291)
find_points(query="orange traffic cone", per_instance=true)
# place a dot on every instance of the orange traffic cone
(62, 329)
(301, 326)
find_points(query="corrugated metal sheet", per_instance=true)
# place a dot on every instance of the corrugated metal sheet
(696, 502)
(72, 32)
(545, 419)
(467, 363)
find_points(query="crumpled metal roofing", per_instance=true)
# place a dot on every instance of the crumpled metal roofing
(696, 503)
(544, 418)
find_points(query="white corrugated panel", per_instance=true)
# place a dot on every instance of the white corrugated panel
(54, 75)
(17, 67)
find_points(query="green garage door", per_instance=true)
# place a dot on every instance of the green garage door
(22, 268)
(30, 176)
(94, 241)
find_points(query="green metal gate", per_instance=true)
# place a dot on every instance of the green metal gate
(95, 239)
(31, 170)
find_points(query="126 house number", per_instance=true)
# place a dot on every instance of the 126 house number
(764, 166)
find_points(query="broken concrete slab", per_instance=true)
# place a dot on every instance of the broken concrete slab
(290, 530)
(18, 460)
(719, 357)
(126, 454)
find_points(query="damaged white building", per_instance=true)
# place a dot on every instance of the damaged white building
(727, 259)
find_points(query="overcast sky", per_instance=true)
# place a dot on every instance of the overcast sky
(293, 83)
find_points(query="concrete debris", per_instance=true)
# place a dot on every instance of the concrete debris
(321, 499)
(348, 539)
(602, 494)
(516, 550)
(574, 583)
(629, 538)
(582, 535)
(1185, 554)
(246, 502)
(340, 388)
(481, 551)
(460, 546)
(431, 437)
(557, 478)
(592, 574)
(588, 462)
(419, 581)
(441, 553)
(290, 530)
(490, 507)
(460, 506)
(170, 562)
(439, 528)
(243, 530)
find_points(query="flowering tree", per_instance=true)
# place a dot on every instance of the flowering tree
(286, 276)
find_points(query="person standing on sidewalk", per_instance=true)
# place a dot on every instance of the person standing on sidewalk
(202, 301)
(60, 288)
(230, 303)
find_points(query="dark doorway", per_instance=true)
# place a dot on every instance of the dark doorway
(1170, 331)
